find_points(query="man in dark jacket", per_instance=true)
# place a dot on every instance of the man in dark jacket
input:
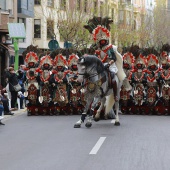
(12, 80)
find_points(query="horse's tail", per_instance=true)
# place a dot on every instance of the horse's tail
(109, 103)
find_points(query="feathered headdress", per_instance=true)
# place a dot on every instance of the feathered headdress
(152, 60)
(72, 60)
(164, 55)
(128, 58)
(46, 60)
(59, 60)
(99, 27)
(31, 57)
(140, 60)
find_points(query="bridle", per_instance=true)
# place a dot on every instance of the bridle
(87, 75)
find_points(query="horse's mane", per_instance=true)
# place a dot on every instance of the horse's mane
(93, 60)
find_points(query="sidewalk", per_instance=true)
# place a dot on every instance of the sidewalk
(16, 113)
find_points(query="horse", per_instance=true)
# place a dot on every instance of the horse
(95, 78)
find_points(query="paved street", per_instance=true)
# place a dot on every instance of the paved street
(51, 143)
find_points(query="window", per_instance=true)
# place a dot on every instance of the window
(95, 7)
(78, 5)
(3, 4)
(10, 7)
(50, 3)
(134, 25)
(101, 9)
(112, 13)
(37, 28)
(50, 29)
(22, 20)
(128, 18)
(121, 16)
(85, 5)
(37, 2)
(63, 4)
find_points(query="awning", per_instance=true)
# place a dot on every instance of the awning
(8, 48)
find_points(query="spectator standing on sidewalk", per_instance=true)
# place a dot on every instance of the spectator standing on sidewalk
(21, 79)
(12, 80)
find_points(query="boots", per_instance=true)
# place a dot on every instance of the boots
(114, 86)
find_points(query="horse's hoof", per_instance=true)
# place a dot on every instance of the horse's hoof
(96, 119)
(77, 126)
(117, 123)
(88, 124)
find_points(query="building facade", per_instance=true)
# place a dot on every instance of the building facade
(13, 11)
(49, 12)
(25, 13)
(8, 13)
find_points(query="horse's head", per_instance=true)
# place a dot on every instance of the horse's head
(88, 67)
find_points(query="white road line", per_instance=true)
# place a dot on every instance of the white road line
(97, 146)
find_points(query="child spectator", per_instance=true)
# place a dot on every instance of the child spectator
(5, 102)
(1, 111)
(21, 97)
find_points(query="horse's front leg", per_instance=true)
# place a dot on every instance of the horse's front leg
(91, 113)
(83, 115)
(117, 123)
(97, 116)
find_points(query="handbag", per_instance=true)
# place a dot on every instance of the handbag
(16, 87)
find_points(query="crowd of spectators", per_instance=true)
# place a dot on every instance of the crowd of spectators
(8, 94)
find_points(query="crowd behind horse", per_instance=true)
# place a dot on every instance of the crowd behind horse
(51, 85)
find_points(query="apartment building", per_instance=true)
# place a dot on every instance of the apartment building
(25, 13)
(130, 13)
(113, 10)
(45, 21)
(48, 12)
(13, 11)
(8, 13)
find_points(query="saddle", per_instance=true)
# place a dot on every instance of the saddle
(109, 79)
(109, 76)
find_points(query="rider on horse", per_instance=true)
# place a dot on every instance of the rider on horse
(107, 53)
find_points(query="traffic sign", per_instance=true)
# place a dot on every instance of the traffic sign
(53, 45)
(16, 30)
(67, 44)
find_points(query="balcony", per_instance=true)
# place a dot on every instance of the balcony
(4, 19)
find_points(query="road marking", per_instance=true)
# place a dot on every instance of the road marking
(97, 146)
(113, 121)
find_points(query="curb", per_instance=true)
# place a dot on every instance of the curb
(16, 113)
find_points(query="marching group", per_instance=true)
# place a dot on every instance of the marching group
(51, 79)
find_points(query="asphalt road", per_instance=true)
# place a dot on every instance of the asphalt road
(51, 143)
